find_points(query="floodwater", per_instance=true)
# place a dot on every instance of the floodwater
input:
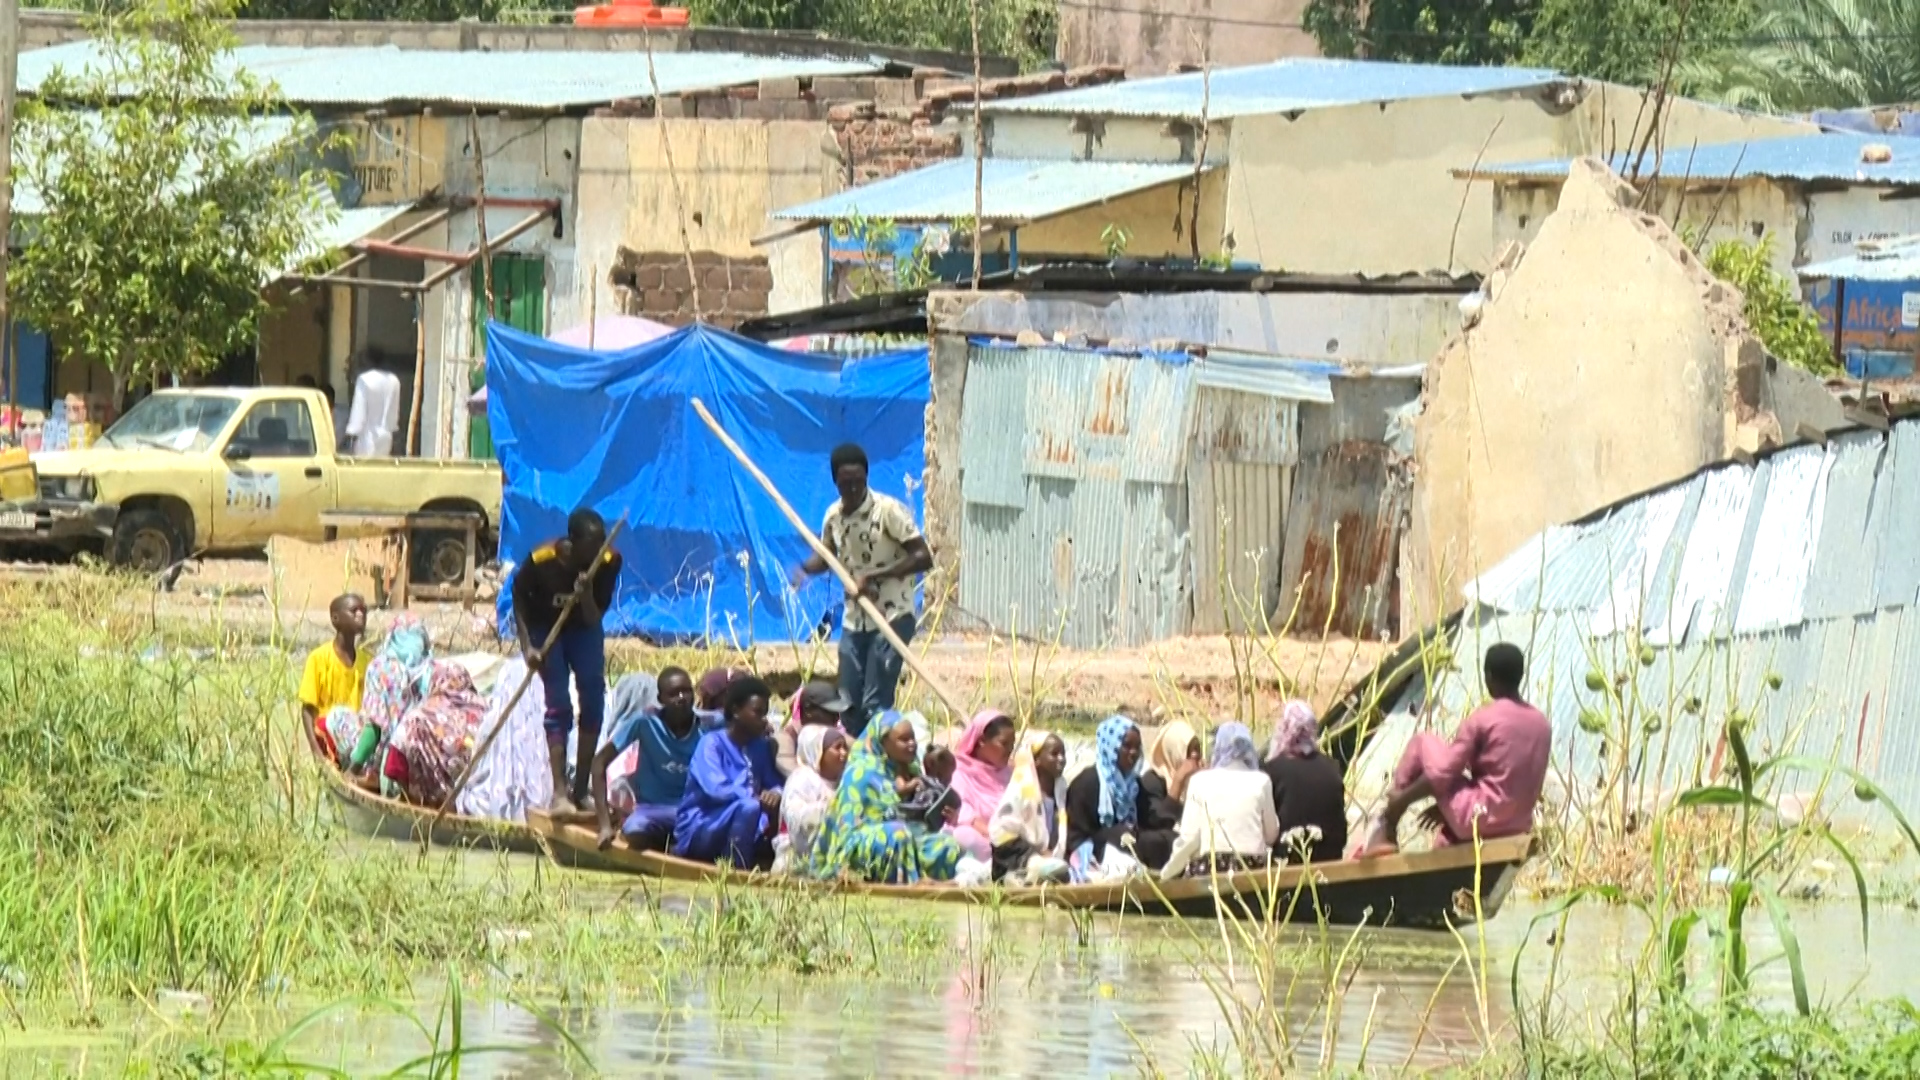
(1116, 997)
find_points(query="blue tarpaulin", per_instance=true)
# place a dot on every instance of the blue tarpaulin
(707, 552)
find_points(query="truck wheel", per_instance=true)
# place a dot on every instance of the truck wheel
(439, 557)
(146, 541)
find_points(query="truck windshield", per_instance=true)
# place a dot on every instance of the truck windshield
(182, 422)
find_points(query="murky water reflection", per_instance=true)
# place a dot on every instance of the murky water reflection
(1140, 991)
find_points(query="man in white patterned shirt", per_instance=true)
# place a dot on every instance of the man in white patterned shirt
(874, 537)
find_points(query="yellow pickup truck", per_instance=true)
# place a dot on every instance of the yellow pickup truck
(220, 470)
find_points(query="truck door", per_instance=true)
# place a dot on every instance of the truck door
(275, 482)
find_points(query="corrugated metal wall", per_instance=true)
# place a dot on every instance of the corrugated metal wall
(1239, 481)
(1343, 542)
(1074, 515)
(1802, 570)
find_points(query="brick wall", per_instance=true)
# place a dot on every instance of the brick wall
(884, 125)
(658, 286)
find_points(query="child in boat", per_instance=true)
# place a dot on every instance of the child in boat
(927, 808)
(667, 734)
(1487, 781)
(335, 676)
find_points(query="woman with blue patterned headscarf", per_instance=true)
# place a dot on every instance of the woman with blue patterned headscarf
(863, 836)
(1103, 804)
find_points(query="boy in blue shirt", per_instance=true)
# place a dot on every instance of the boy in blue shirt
(667, 735)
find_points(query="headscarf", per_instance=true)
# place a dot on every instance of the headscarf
(1119, 792)
(1298, 735)
(399, 675)
(979, 784)
(1170, 749)
(715, 682)
(807, 795)
(1233, 747)
(636, 693)
(1022, 810)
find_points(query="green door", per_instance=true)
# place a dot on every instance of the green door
(520, 301)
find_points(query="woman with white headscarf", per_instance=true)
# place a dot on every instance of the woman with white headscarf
(1227, 821)
(820, 755)
(1309, 790)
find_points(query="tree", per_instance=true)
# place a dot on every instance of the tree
(1788, 328)
(169, 198)
(1811, 54)
(1625, 41)
(1424, 31)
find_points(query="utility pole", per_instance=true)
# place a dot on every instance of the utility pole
(9, 74)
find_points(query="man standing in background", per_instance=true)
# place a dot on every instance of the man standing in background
(874, 537)
(580, 560)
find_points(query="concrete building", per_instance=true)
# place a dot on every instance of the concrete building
(1155, 37)
(1302, 166)
(1605, 360)
(611, 183)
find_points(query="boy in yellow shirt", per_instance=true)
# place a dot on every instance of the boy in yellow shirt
(336, 672)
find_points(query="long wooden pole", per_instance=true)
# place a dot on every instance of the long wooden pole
(553, 635)
(948, 697)
(9, 69)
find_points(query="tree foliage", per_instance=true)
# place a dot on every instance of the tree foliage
(1626, 41)
(1810, 54)
(1425, 31)
(166, 208)
(1788, 328)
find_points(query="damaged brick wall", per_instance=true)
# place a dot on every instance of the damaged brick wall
(883, 125)
(895, 131)
(721, 290)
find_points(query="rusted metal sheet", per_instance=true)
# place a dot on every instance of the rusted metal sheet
(1238, 514)
(993, 418)
(1343, 542)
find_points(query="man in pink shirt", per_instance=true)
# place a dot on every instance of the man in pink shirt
(1487, 780)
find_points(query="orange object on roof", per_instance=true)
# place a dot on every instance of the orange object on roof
(626, 13)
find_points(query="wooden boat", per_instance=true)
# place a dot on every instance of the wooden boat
(375, 815)
(1421, 890)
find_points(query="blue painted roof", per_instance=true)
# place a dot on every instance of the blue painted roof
(378, 76)
(1827, 156)
(1280, 87)
(1012, 191)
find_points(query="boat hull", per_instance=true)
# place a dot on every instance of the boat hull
(1449, 886)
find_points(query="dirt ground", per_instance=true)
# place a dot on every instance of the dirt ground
(1209, 678)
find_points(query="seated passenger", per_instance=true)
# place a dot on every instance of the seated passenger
(864, 837)
(434, 741)
(929, 807)
(397, 679)
(1309, 790)
(808, 794)
(666, 735)
(1028, 831)
(1171, 762)
(1105, 805)
(819, 703)
(1227, 821)
(1487, 781)
(983, 760)
(334, 679)
(732, 803)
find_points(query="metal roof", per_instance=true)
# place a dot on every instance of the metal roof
(1283, 86)
(1012, 191)
(382, 76)
(1831, 156)
(346, 227)
(1785, 589)
(1898, 265)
